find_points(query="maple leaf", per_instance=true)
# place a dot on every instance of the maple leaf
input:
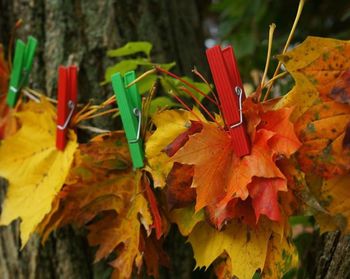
(153, 254)
(179, 191)
(104, 193)
(109, 233)
(321, 130)
(281, 257)
(333, 195)
(186, 219)
(169, 124)
(341, 90)
(35, 169)
(220, 176)
(315, 66)
(246, 247)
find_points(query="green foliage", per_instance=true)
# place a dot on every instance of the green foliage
(132, 48)
(137, 56)
(169, 83)
(245, 24)
(162, 102)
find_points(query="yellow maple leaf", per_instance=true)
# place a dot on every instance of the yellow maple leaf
(35, 169)
(334, 197)
(169, 124)
(186, 219)
(281, 257)
(246, 247)
(314, 65)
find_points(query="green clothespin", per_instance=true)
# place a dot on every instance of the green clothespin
(22, 65)
(129, 103)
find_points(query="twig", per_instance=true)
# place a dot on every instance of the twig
(197, 73)
(187, 84)
(93, 129)
(149, 72)
(296, 20)
(200, 104)
(271, 31)
(185, 105)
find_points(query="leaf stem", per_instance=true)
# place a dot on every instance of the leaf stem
(268, 57)
(187, 84)
(185, 105)
(200, 104)
(296, 20)
(145, 74)
(197, 73)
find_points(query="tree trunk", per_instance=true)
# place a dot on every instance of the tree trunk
(81, 32)
(329, 256)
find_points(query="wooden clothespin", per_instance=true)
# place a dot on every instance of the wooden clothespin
(22, 65)
(229, 86)
(67, 99)
(130, 107)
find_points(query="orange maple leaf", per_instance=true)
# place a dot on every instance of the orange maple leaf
(322, 130)
(104, 193)
(220, 177)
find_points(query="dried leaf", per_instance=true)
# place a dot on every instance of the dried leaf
(322, 131)
(341, 90)
(104, 193)
(179, 181)
(315, 66)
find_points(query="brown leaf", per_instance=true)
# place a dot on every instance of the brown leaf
(341, 90)
(105, 194)
(321, 130)
(179, 181)
(346, 139)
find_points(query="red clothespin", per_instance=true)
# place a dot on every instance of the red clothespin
(229, 86)
(67, 99)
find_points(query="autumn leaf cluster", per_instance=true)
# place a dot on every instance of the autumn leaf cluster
(233, 210)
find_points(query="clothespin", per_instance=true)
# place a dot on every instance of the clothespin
(67, 99)
(229, 86)
(22, 65)
(129, 103)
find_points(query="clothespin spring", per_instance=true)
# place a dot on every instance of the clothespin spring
(137, 113)
(71, 106)
(239, 92)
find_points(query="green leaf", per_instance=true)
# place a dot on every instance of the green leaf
(131, 48)
(145, 84)
(161, 102)
(167, 66)
(130, 65)
(174, 84)
(124, 67)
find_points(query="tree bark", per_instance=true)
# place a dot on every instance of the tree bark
(81, 32)
(329, 256)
